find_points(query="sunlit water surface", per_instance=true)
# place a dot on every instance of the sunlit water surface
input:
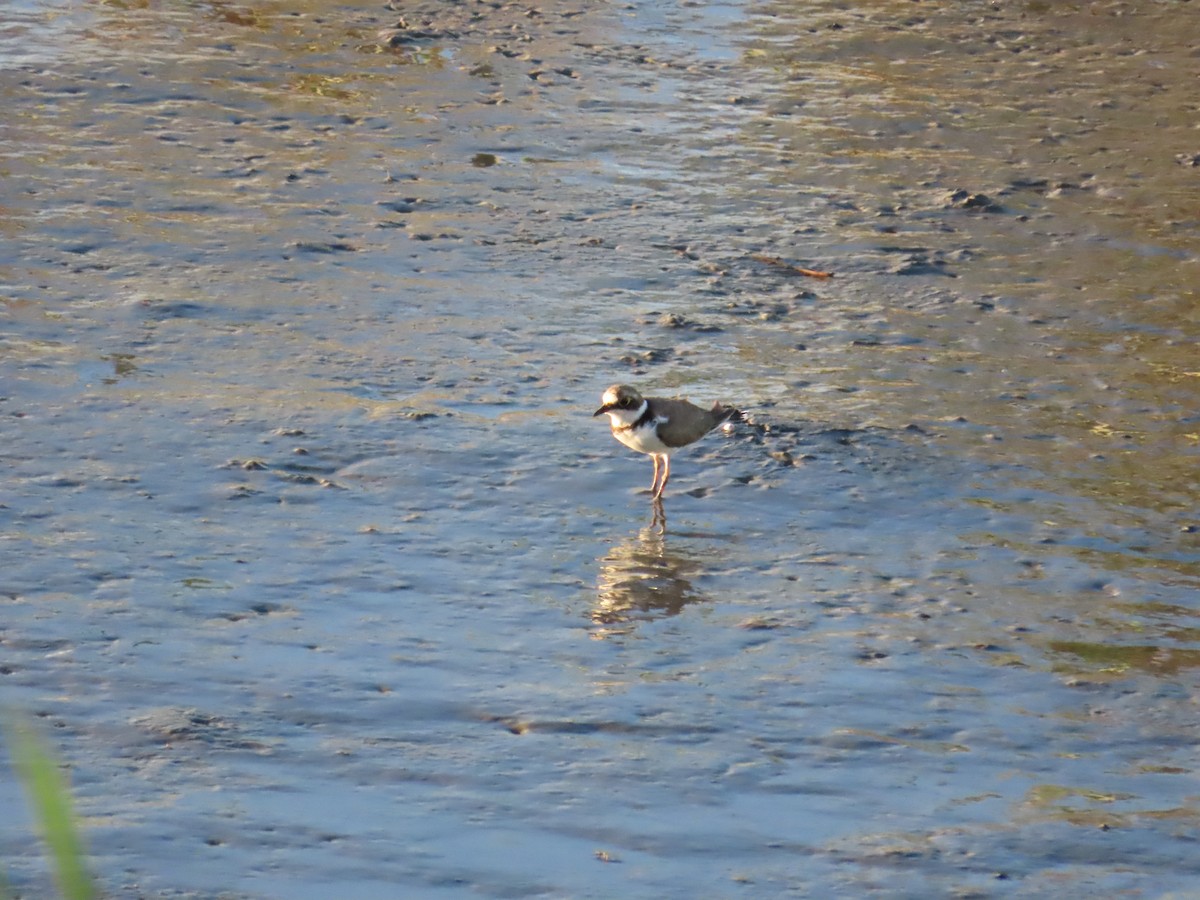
(322, 580)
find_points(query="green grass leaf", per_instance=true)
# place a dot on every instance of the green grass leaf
(53, 811)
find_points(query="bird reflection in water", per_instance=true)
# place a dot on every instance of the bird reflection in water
(641, 578)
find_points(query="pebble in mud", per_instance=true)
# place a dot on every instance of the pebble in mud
(683, 323)
(969, 200)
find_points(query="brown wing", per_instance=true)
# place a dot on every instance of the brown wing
(687, 422)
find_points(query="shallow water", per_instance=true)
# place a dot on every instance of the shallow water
(324, 582)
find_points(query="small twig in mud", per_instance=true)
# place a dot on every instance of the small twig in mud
(787, 266)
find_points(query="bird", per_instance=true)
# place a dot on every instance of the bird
(659, 426)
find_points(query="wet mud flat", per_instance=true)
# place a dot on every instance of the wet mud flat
(323, 582)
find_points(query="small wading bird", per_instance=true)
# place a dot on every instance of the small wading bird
(659, 426)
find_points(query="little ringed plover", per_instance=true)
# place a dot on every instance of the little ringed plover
(659, 426)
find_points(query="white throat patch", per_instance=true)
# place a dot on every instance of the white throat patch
(623, 418)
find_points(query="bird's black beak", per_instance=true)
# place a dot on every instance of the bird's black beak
(602, 410)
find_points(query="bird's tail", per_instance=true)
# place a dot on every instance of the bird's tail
(728, 414)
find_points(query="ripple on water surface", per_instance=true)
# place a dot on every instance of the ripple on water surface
(325, 583)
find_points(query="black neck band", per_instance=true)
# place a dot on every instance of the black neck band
(646, 418)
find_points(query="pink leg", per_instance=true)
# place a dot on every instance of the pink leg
(654, 483)
(666, 476)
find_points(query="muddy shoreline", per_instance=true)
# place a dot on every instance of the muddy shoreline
(323, 582)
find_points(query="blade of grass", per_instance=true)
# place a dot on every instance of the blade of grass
(50, 800)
